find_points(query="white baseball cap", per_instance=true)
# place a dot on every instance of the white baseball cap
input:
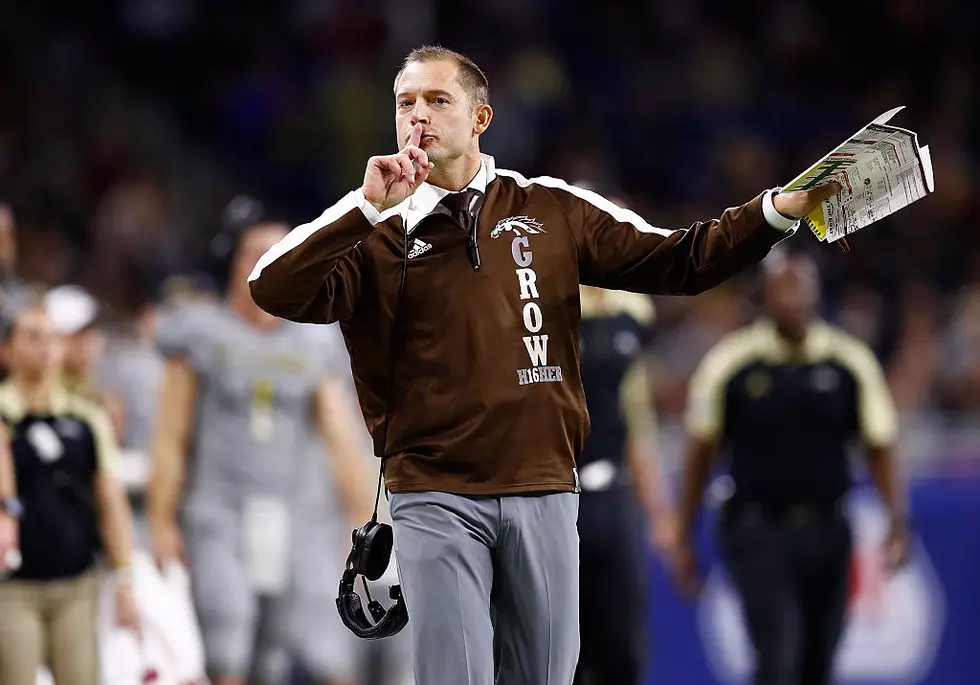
(71, 308)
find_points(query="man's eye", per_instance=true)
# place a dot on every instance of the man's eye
(441, 101)
(405, 103)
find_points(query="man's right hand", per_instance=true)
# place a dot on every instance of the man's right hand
(8, 539)
(167, 544)
(389, 179)
(687, 573)
(799, 203)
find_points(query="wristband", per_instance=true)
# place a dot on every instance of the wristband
(773, 216)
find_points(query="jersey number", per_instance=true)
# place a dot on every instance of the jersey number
(260, 419)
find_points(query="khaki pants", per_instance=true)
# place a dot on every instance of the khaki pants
(52, 623)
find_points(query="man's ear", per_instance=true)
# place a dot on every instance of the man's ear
(483, 116)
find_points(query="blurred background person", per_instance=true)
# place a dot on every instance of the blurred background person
(14, 293)
(129, 375)
(74, 313)
(13, 290)
(11, 510)
(622, 489)
(782, 401)
(239, 483)
(70, 509)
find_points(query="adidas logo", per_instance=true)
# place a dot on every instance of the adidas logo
(418, 247)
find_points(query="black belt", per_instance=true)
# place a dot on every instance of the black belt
(784, 512)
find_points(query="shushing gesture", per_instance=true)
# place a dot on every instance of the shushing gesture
(389, 179)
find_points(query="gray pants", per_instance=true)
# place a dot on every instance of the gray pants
(245, 632)
(491, 586)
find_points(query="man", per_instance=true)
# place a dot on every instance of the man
(13, 291)
(69, 507)
(784, 399)
(128, 377)
(619, 457)
(456, 287)
(253, 401)
(9, 530)
(74, 314)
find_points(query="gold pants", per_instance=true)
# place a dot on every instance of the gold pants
(51, 623)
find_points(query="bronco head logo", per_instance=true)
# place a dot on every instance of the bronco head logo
(518, 225)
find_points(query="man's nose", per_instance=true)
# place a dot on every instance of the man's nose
(420, 114)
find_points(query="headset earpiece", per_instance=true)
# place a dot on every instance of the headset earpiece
(240, 214)
(371, 552)
(369, 557)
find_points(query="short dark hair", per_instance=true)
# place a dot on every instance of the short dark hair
(471, 77)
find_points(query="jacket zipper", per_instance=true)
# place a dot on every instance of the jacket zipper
(474, 249)
(391, 351)
(475, 208)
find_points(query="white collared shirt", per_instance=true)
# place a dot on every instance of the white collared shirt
(425, 198)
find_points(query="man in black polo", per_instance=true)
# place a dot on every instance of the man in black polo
(619, 476)
(783, 399)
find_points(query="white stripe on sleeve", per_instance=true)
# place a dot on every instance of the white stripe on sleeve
(302, 233)
(620, 214)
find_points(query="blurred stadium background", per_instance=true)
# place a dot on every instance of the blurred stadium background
(126, 127)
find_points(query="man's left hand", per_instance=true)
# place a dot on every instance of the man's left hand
(664, 533)
(686, 570)
(798, 203)
(897, 547)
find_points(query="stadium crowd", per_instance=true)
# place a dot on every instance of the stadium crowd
(126, 129)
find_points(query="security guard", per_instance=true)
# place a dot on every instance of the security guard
(617, 468)
(783, 400)
(68, 507)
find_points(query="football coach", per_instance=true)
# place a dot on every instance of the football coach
(456, 285)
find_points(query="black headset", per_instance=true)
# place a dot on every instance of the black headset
(369, 558)
(240, 214)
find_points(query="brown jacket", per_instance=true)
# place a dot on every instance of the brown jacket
(468, 377)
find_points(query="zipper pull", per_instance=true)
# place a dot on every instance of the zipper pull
(474, 251)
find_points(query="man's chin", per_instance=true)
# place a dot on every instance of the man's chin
(432, 148)
(438, 157)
